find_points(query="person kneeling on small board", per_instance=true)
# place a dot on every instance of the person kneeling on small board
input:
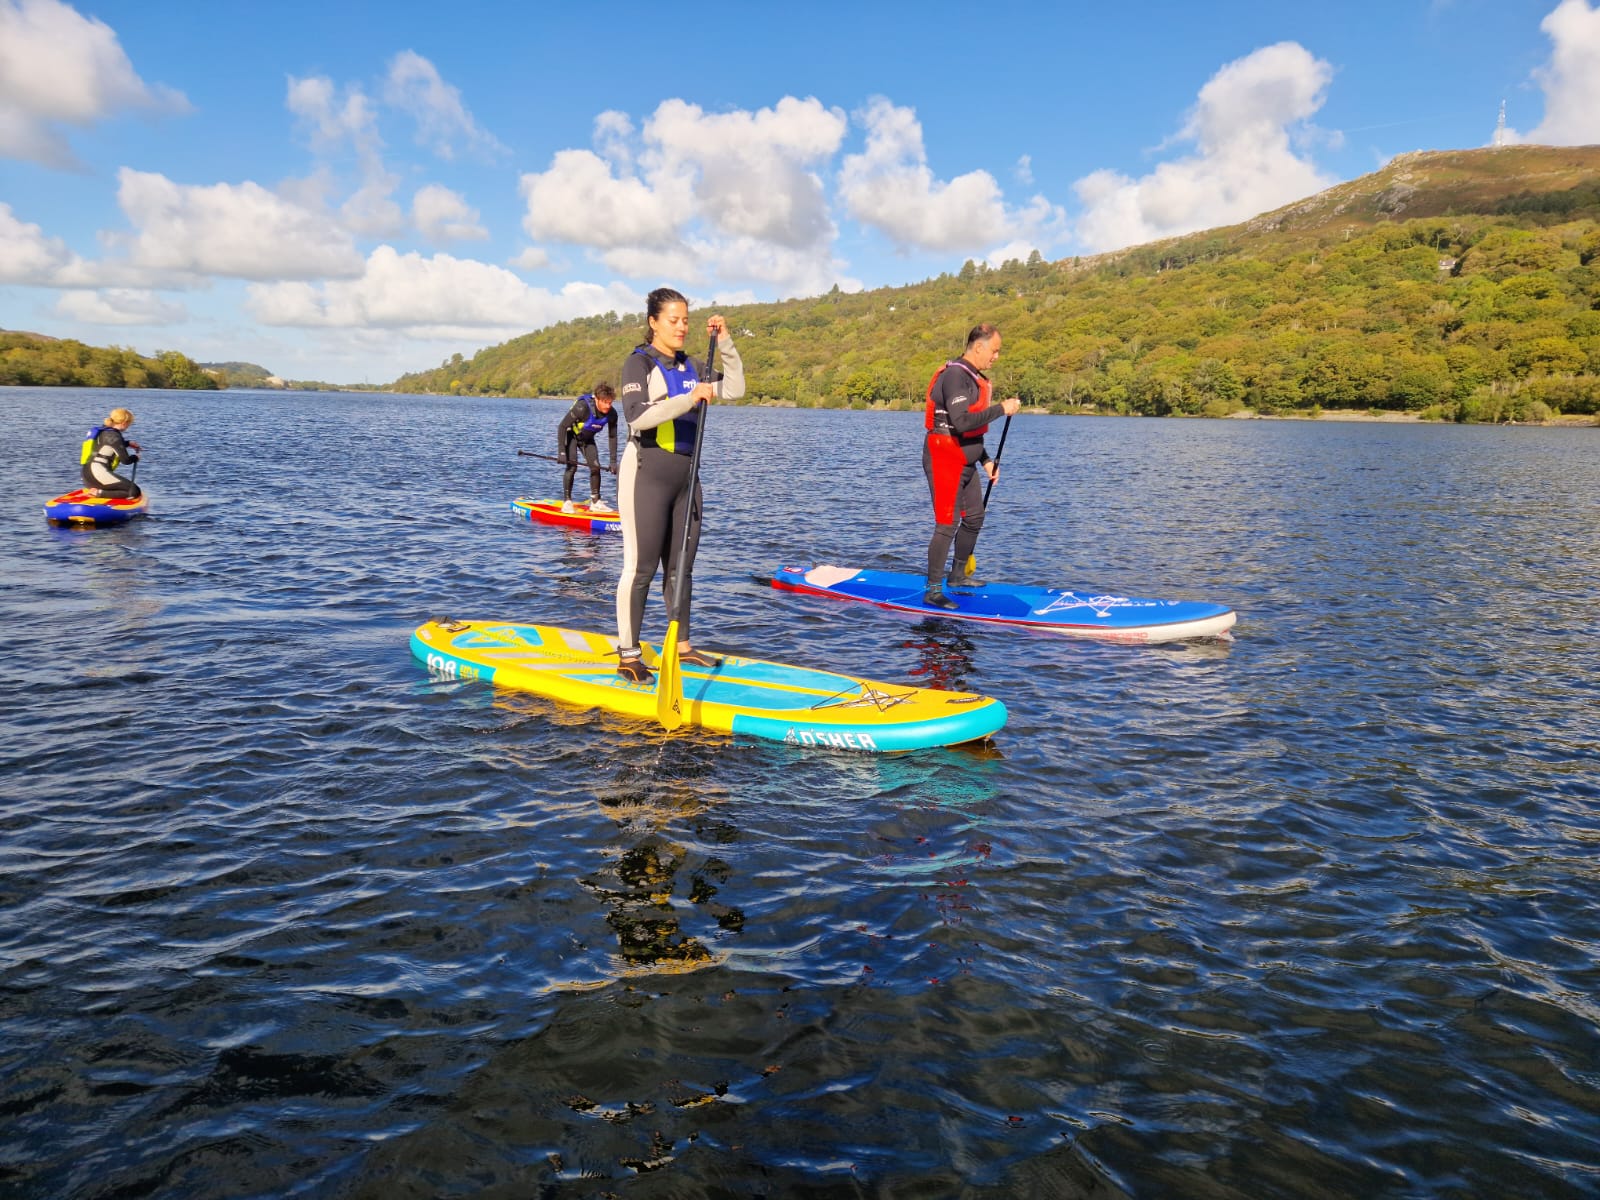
(103, 450)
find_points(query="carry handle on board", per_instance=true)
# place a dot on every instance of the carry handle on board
(669, 671)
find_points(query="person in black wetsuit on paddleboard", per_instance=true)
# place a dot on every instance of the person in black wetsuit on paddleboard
(660, 388)
(959, 411)
(577, 431)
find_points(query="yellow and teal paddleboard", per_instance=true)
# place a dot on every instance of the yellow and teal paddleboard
(794, 705)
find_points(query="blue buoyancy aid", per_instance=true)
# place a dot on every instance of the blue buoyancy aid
(676, 435)
(594, 422)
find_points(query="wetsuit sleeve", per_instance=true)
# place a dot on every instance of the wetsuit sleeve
(731, 386)
(644, 395)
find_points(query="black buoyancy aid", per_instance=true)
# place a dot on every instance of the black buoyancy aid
(676, 435)
(937, 418)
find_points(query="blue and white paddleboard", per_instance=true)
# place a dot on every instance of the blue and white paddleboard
(1081, 613)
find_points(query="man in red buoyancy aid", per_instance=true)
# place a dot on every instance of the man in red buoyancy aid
(959, 411)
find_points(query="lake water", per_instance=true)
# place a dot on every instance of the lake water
(1308, 913)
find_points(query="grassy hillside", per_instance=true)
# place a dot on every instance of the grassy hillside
(1460, 284)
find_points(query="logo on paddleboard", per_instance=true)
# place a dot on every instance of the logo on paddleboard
(1101, 605)
(831, 739)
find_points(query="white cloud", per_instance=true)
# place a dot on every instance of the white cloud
(59, 67)
(1001, 255)
(414, 84)
(530, 259)
(1024, 169)
(119, 306)
(752, 167)
(442, 215)
(890, 187)
(1241, 125)
(612, 131)
(371, 211)
(678, 261)
(437, 296)
(333, 121)
(240, 230)
(705, 194)
(330, 120)
(580, 200)
(27, 255)
(1571, 79)
(804, 272)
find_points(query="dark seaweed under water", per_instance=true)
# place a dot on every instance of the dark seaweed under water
(1311, 913)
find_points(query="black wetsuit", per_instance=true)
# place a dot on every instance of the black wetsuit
(652, 497)
(577, 431)
(109, 451)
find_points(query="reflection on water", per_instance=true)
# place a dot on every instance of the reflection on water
(944, 654)
(1309, 913)
(651, 883)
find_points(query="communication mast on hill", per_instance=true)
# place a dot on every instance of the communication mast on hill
(1500, 127)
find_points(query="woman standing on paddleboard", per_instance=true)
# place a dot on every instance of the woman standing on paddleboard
(660, 390)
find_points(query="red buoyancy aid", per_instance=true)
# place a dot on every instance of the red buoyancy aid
(933, 420)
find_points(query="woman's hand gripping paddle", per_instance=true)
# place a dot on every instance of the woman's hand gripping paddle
(972, 559)
(669, 670)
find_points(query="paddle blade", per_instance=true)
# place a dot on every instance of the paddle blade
(669, 681)
(971, 565)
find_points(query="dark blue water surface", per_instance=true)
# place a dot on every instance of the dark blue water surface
(1310, 913)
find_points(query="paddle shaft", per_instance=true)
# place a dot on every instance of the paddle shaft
(669, 676)
(562, 461)
(971, 565)
(998, 451)
(694, 477)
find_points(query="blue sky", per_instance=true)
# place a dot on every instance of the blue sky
(346, 191)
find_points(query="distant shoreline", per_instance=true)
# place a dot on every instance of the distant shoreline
(1581, 420)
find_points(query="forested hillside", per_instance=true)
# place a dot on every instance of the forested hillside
(1461, 285)
(33, 360)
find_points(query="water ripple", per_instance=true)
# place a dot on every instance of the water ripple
(1303, 913)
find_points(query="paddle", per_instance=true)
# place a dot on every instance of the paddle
(553, 458)
(972, 559)
(669, 671)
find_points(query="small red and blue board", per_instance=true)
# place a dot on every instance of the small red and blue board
(79, 508)
(548, 512)
(1081, 613)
